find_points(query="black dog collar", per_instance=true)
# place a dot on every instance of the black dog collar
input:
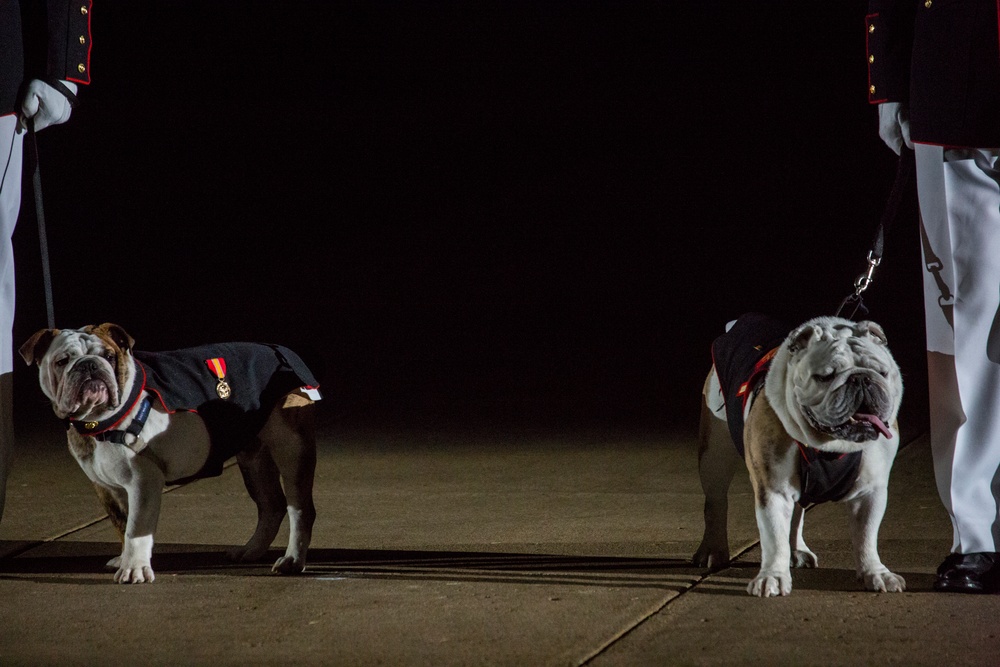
(135, 428)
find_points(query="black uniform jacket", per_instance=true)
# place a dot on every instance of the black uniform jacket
(742, 357)
(941, 58)
(26, 27)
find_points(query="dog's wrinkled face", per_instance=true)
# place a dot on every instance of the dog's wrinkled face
(87, 372)
(839, 381)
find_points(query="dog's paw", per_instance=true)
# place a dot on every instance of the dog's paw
(288, 565)
(114, 563)
(883, 581)
(770, 584)
(136, 573)
(804, 558)
(710, 557)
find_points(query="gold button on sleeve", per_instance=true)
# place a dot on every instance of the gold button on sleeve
(81, 68)
(871, 59)
(83, 10)
(871, 27)
(928, 4)
(83, 40)
(871, 89)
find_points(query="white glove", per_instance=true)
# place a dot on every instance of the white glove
(46, 105)
(894, 125)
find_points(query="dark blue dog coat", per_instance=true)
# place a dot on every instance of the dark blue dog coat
(187, 380)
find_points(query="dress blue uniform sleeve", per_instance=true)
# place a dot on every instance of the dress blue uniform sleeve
(889, 40)
(69, 40)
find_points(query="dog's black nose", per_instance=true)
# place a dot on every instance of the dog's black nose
(868, 391)
(860, 380)
(87, 365)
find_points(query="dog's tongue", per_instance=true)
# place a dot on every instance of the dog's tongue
(876, 422)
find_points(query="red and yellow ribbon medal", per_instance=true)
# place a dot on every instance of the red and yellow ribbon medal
(218, 368)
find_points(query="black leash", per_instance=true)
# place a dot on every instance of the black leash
(853, 305)
(43, 240)
(36, 182)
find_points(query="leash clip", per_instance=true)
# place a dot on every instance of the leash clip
(854, 302)
(864, 281)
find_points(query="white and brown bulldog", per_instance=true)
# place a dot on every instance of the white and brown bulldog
(140, 420)
(823, 428)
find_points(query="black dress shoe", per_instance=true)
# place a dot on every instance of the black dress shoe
(968, 573)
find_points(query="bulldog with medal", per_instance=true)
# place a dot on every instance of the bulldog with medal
(813, 415)
(139, 420)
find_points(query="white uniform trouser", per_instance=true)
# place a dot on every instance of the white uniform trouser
(10, 202)
(959, 192)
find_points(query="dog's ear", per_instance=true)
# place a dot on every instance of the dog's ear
(115, 333)
(36, 346)
(873, 330)
(801, 337)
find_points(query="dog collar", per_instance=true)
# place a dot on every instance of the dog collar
(134, 428)
(95, 428)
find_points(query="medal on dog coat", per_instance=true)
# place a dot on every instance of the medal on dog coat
(742, 357)
(232, 386)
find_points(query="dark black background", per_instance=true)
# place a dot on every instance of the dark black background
(513, 212)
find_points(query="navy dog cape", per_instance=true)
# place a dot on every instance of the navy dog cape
(256, 375)
(742, 357)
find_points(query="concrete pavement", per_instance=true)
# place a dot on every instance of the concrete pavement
(478, 547)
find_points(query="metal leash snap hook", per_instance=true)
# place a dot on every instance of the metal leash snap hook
(864, 281)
